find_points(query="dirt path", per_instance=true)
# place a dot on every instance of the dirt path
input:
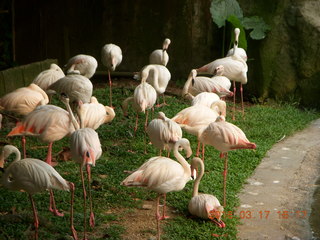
(276, 202)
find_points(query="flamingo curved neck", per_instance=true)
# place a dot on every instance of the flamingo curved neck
(198, 179)
(154, 70)
(181, 159)
(185, 90)
(5, 179)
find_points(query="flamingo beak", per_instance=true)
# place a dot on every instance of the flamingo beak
(215, 217)
(89, 158)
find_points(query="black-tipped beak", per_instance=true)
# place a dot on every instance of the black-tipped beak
(192, 177)
(1, 169)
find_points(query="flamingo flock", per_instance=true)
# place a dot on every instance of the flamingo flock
(205, 118)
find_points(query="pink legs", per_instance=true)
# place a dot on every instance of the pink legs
(52, 207)
(23, 143)
(158, 217)
(91, 221)
(73, 230)
(225, 171)
(35, 216)
(234, 100)
(110, 89)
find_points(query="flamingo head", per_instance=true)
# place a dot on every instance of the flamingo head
(215, 216)
(166, 44)
(219, 70)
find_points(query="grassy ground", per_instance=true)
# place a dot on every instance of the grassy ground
(263, 124)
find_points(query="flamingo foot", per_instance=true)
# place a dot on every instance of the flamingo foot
(92, 222)
(56, 212)
(163, 217)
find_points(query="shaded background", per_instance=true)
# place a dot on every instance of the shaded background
(282, 66)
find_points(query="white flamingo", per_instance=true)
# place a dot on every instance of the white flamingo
(163, 175)
(77, 87)
(33, 176)
(158, 76)
(144, 98)
(85, 150)
(205, 206)
(205, 98)
(48, 77)
(111, 57)
(164, 133)
(197, 84)
(235, 68)
(160, 56)
(85, 64)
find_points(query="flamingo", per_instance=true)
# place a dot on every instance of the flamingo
(144, 98)
(164, 132)
(24, 100)
(224, 137)
(160, 56)
(33, 176)
(85, 64)
(85, 150)
(163, 175)
(158, 76)
(94, 114)
(193, 119)
(111, 57)
(205, 206)
(48, 77)
(48, 122)
(76, 86)
(205, 98)
(217, 84)
(235, 68)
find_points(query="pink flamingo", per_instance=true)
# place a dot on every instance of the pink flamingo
(163, 175)
(33, 176)
(205, 206)
(235, 68)
(94, 114)
(111, 57)
(224, 137)
(197, 84)
(160, 56)
(85, 150)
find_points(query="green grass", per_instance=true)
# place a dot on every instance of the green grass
(263, 124)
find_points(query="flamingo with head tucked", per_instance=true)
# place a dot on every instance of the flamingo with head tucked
(85, 64)
(111, 57)
(164, 133)
(33, 176)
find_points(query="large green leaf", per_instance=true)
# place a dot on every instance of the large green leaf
(258, 26)
(221, 9)
(236, 23)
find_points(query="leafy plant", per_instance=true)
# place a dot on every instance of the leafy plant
(223, 11)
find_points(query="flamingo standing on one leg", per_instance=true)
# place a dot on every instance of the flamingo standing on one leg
(224, 136)
(163, 175)
(85, 64)
(235, 68)
(205, 206)
(85, 150)
(111, 57)
(33, 176)
(144, 98)
(160, 56)
(164, 133)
